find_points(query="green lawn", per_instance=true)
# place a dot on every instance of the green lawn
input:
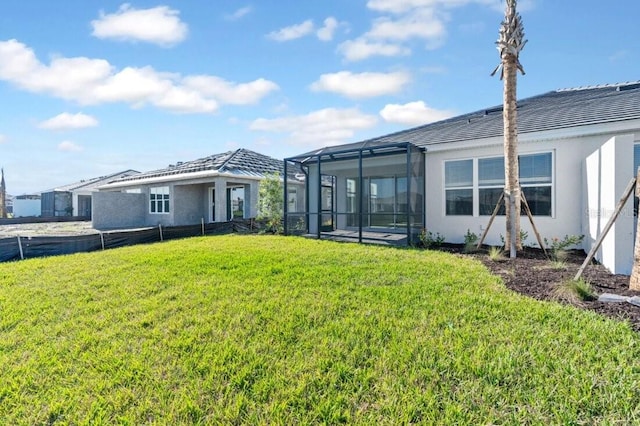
(261, 329)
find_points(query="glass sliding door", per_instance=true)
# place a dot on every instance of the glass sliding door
(327, 208)
(212, 204)
(235, 203)
(385, 202)
(382, 202)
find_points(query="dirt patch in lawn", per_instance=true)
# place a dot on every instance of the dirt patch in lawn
(48, 229)
(533, 275)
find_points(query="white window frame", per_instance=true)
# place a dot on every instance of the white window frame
(476, 182)
(161, 203)
(473, 187)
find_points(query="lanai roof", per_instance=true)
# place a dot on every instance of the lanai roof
(558, 109)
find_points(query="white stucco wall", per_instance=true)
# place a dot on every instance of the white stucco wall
(26, 208)
(607, 172)
(570, 195)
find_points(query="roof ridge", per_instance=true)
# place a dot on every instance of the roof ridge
(598, 86)
(231, 156)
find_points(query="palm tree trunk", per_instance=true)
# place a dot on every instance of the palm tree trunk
(512, 184)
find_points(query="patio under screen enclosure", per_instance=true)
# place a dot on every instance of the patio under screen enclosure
(363, 192)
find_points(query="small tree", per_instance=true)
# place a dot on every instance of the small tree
(510, 42)
(271, 202)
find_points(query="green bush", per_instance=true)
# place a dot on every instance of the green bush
(430, 240)
(558, 247)
(470, 241)
(270, 203)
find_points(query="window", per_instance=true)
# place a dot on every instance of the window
(159, 199)
(458, 183)
(491, 184)
(352, 208)
(384, 202)
(235, 202)
(536, 180)
(292, 200)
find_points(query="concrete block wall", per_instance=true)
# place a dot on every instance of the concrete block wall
(115, 210)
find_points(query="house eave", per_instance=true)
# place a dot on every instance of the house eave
(186, 177)
(612, 128)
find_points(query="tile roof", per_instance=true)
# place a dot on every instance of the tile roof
(94, 182)
(242, 162)
(558, 109)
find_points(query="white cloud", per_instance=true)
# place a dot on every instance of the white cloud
(325, 127)
(326, 32)
(159, 25)
(69, 146)
(413, 113)
(422, 24)
(95, 81)
(361, 48)
(363, 85)
(66, 121)
(292, 32)
(238, 14)
(408, 20)
(229, 92)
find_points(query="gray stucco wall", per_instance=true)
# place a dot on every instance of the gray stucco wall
(188, 204)
(114, 210)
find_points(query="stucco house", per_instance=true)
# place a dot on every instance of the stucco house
(218, 188)
(578, 149)
(27, 205)
(74, 199)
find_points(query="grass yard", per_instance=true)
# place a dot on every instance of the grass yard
(282, 330)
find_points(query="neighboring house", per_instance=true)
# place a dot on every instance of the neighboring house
(27, 205)
(75, 199)
(218, 188)
(578, 151)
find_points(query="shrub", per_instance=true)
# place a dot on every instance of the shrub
(558, 247)
(428, 239)
(270, 203)
(470, 242)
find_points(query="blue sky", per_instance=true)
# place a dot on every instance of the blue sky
(90, 88)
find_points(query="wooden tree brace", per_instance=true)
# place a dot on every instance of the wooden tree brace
(627, 193)
(493, 216)
(529, 215)
(533, 225)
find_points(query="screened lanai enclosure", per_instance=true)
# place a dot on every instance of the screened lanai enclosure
(365, 192)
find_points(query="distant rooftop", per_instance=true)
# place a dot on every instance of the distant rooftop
(558, 109)
(94, 182)
(242, 162)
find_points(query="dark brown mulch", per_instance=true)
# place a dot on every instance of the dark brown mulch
(533, 275)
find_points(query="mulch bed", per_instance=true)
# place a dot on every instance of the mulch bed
(533, 275)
